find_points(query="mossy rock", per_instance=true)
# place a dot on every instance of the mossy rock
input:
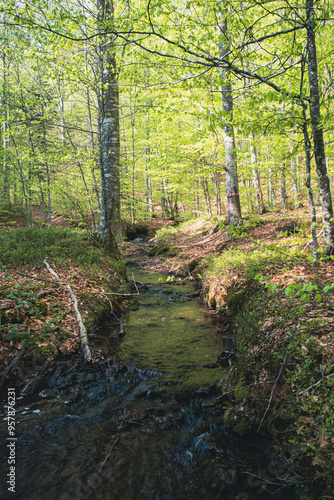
(172, 252)
(193, 264)
(158, 250)
(98, 310)
(237, 297)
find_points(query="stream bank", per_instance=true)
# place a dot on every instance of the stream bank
(143, 423)
(281, 312)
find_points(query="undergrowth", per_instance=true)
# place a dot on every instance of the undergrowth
(19, 247)
(283, 380)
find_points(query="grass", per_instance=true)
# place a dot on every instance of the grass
(20, 247)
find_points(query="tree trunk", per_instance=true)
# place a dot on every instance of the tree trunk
(307, 145)
(133, 166)
(92, 142)
(5, 195)
(318, 138)
(256, 174)
(283, 187)
(216, 177)
(110, 220)
(233, 198)
(148, 180)
(294, 179)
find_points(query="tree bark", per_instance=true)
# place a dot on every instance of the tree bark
(110, 220)
(307, 145)
(318, 138)
(232, 186)
(256, 174)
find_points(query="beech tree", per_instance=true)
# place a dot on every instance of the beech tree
(110, 219)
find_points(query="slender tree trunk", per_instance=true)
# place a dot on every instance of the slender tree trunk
(25, 187)
(60, 88)
(5, 195)
(317, 130)
(307, 145)
(256, 174)
(283, 186)
(205, 186)
(91, 133)
(216, 178)
(197, 201)
(233, 197)
(148, 180)
(132, 115)
(294, 179)
(110, 220)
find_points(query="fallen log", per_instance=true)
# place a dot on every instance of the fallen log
(83, 332)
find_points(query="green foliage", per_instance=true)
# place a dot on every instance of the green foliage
(235, 231)
(302, 292)
(250, 263)
(32, 246)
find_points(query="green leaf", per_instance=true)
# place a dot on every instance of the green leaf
(289, 291)
(318, 297)
(305, 297)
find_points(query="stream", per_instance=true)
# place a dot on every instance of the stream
(148, 426)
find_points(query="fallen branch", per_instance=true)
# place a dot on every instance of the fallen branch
(317, 383)
(112, 446)
(45, 292)
(83, 332)
(37, 279)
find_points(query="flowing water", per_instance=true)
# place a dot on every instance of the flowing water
(148, 428)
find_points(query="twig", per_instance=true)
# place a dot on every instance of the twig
(112, 446)
(272, 391)
(121, 328)
(309, 243)
(45, 292)
(83, 332)
(317, 383)
(133, 278)
(39, 279)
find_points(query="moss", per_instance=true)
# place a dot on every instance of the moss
(193, 264)
(158, 250)
(237, 295)
(173, 251)
(98, 309)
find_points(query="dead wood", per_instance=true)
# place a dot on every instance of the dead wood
(83, 332)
